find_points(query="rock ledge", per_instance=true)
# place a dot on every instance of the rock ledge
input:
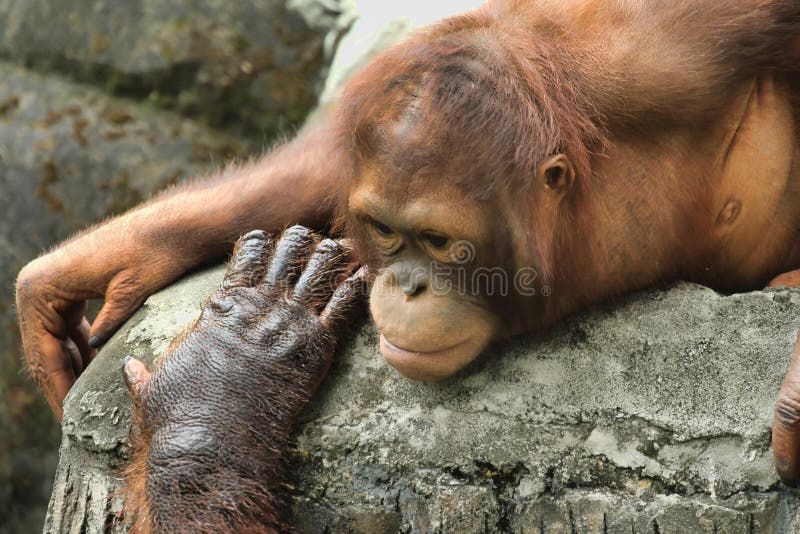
(651, 416)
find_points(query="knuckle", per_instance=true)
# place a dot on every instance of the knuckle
(226, 312)
(235, 303)
(29, 280)
(242, 276)
(347, 243)
(351, 289)
(250, 247)
(234, 296)
(34, 313)
(297, 229)
(223, 306)
(783, 466)
(125, 290)
(322, 284)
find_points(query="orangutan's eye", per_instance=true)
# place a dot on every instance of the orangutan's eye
(382, 229)
(437, 241)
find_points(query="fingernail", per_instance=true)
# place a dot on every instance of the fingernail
(97, 341)
(126, 360)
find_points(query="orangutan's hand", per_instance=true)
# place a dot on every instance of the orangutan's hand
(57, 339)
(215, 415)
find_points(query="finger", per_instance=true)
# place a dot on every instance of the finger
(290, 255)
(329, 265)
(74, 355)
(111, 316)
(56, 369)
(54, 336)
(136, 376)
(55, 388)
(786, 437)
(119, 305)
(72, 316)
(80, 336)
(248, 263)
(347, 301)
(55, 406)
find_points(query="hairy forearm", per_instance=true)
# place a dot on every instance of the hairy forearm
(201, 219)
(128, 258)
(194, 476)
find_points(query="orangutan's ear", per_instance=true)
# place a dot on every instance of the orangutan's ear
(557, 174)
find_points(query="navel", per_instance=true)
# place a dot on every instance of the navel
(730, 212)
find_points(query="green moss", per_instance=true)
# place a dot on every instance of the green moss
(239, 43)
(113, 81)
(180, 24)
(99, 43)
(167, 51)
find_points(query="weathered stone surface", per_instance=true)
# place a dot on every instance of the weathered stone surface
(651, 416)
(69, 156)
(258, 64)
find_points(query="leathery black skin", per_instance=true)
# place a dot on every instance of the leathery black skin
(215, 416)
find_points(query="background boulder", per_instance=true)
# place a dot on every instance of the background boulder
(251, 65)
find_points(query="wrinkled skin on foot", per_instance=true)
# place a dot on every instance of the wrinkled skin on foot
(215, 415)
(786, 419)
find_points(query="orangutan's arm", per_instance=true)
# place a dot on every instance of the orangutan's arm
(126, 259)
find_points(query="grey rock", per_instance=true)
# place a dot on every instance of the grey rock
(255, 64)
(648, 416)
(69, 157)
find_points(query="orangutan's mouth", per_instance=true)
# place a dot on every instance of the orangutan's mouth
(394, 353)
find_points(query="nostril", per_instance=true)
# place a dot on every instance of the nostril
(414, 290)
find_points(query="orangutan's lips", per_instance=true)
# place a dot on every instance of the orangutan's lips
(391, 351)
